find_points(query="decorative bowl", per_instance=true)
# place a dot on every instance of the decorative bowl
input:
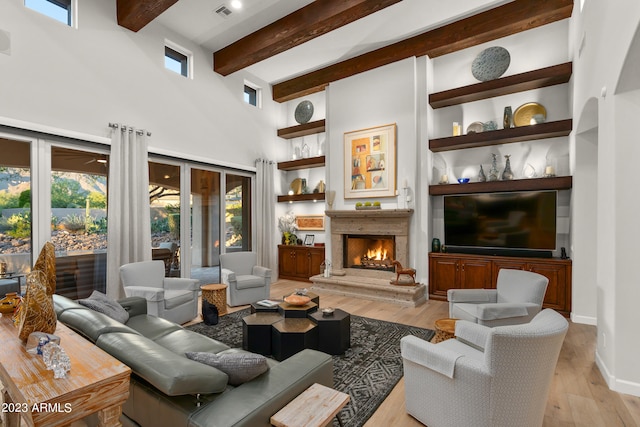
(297, 299)
(327, 311)
(463, 180)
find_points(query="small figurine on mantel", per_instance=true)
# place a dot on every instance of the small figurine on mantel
(409, 274)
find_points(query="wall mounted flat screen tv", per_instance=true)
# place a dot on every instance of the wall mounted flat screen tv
(518, 221)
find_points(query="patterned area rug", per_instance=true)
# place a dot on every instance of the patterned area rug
(368, 371)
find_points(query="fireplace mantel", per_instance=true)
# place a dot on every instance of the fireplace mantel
(370, 213)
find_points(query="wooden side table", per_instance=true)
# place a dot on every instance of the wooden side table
(97, 383)
(315, 407)
(445, 330)
(216, 294)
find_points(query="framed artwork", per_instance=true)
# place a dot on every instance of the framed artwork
(310, 222)
(370, 162)
(308, 239)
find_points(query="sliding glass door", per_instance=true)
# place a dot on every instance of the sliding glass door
(78, 194)
(164, 200)
(15, 208)
(54, 191)
(237, 213)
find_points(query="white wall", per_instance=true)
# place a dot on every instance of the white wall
(604, 39)
(82, 79)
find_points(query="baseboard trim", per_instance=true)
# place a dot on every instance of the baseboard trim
(585, 320)
(620, 386)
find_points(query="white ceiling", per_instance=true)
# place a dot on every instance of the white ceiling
(196, 20)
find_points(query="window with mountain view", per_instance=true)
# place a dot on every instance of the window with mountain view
(15, 206)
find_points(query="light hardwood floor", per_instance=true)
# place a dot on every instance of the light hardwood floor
(578, 397)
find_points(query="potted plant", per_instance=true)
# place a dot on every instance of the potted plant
(287, 225)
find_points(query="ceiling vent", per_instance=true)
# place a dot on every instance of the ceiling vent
(223, 11)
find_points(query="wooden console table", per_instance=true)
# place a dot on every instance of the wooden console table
(97, 382)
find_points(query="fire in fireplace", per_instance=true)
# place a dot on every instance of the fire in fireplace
(369, 252)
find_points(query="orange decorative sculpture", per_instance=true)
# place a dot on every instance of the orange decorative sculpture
(411, 272)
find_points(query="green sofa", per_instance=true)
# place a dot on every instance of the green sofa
(168, 389)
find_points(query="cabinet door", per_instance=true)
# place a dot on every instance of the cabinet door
(286, 261)
(556, 296)
(301, 262)
(475, 273)
(316, 257)
(443, 275)
(514, 264)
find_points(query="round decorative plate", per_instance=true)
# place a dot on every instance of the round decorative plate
(475, 127)
(524, 113)
(303, 112)
(491, 63)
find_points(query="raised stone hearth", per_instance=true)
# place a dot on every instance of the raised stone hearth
(364, 283)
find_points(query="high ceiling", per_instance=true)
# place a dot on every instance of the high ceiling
(197, 20)
(299, 46)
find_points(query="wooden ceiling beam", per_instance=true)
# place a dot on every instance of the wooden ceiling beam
(502, 21)
(313, 20)
(135, 14)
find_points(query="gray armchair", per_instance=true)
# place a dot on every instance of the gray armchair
(172, 298)
(485, 377)
(517, 299)
(247, 281)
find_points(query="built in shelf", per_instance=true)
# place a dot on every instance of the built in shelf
(531, 184)
(502, 136)
(310, 162)
(313, 197)
(305, 129)
(549, 76)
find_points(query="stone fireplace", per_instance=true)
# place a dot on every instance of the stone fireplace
(363, 244)
(374, 252)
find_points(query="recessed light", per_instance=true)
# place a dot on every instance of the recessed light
(236, 4)
(167, 176)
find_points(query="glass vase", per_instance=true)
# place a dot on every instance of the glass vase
(507, 174)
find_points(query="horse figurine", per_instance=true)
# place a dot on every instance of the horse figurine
(401, 270)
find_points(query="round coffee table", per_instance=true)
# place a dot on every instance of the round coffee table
(445, 330)
(216, 294)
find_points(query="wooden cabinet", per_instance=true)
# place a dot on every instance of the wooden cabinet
(448, 271)
(558, 272)
(462, 272)
(299, 262)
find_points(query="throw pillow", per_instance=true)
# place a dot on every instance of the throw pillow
(103, 304)
(36, 313)
(240, 367)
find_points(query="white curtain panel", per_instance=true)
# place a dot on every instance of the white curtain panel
(128, 212)
(265, 199)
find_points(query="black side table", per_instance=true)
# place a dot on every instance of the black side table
(334, 331)
(292, 335)
(256, 332)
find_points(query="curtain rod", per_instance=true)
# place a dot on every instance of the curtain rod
(125, 128)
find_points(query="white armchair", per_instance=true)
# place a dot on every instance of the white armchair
(172, 298)
(485, 377)
(517, 299)
(247, 281)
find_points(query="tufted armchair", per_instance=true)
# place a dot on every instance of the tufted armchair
(485, 377)
(172, 298)
(247, 281)
(517, 299)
